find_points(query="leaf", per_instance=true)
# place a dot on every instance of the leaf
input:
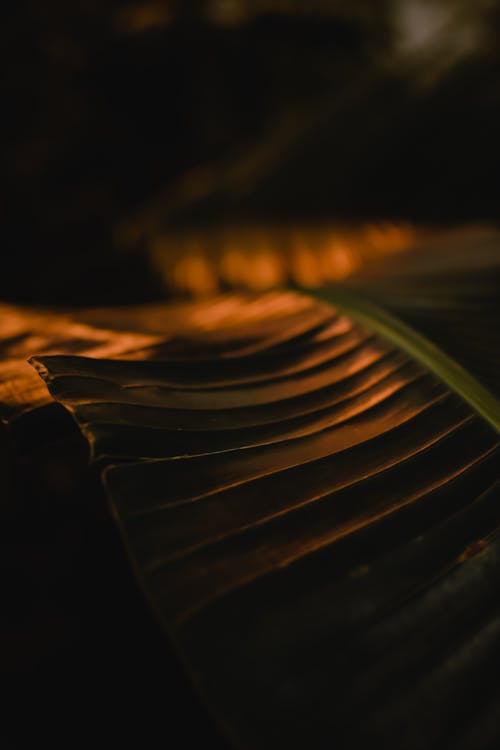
(39, 439)
(448, 290)
(25, 330)
(422, 350)
(314, 517)
(130, 332)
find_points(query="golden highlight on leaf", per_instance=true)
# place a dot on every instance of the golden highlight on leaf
(309, 496)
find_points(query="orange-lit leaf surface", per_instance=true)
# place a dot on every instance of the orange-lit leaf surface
(313, 517)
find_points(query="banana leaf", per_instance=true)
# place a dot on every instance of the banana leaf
(311, 503)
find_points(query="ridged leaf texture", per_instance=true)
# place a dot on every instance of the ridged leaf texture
(313, 512)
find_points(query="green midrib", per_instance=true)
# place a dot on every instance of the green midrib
(456, 377)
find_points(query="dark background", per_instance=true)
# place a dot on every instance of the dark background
(380, 109)
(282, 111)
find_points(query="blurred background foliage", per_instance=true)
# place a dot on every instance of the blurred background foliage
(125, 119)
